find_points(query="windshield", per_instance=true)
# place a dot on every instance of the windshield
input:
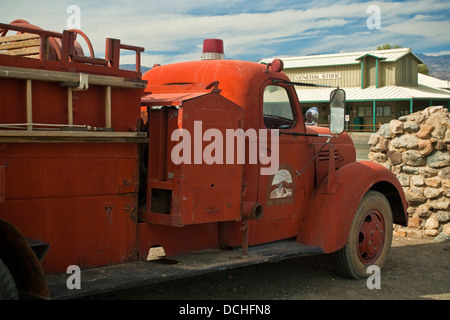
(277, 109)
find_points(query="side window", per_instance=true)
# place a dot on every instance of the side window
(277, 109)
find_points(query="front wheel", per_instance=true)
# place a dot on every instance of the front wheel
(369, 240)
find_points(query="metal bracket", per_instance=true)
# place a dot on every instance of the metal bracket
(84, 82)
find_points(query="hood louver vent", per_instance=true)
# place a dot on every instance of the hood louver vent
(324, 155)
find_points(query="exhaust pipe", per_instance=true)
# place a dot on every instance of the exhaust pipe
(252, 210)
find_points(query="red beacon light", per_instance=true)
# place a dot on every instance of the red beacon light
(276, 65)
(213, 49)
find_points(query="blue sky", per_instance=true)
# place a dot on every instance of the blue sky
(173, 30)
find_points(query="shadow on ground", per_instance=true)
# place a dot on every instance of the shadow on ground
(416, 269)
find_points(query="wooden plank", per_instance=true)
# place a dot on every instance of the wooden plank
(69, 106)
(69, 77)
(108, 112)
(29, 104)
(21, 51)
(73, 140)
(35, 136)
(20, 44)
(70, 133)
(19, 37)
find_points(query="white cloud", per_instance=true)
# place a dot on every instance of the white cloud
(436, 31)
(173, 30)
(438, 53)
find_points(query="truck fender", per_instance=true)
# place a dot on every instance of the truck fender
(329, 216)
(22, 263)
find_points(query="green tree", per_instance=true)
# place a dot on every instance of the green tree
(422, 68)
(388, 46)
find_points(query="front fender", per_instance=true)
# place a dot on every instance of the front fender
(330, 213)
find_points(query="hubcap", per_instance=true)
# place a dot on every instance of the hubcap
(371, 237)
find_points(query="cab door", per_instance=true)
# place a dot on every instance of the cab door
(285, 191)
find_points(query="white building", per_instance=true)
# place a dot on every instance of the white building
(381, 85)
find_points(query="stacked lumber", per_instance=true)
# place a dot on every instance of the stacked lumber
(25, 45)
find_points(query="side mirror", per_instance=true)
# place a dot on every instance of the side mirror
(312, 115)
(337, 111)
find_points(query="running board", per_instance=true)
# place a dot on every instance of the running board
(141, 273)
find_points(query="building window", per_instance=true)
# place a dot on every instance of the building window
(364, 111)
(383, 111)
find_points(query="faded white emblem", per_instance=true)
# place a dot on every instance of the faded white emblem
(281, 185)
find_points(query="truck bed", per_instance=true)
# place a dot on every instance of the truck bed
(141, 273)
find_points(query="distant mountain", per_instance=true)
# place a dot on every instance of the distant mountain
(439, 66)
(144, 69)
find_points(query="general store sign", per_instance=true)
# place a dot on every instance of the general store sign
(318, 76)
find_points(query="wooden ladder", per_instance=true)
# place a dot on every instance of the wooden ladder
(72, 81)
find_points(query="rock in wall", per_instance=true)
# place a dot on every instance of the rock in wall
(416, 148)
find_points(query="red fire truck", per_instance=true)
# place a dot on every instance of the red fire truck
(200, 166)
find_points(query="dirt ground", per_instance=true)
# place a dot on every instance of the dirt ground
(417, 269)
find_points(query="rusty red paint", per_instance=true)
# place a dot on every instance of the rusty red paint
(328, 218)
(78, 196)
(371, 237)
(107, 202)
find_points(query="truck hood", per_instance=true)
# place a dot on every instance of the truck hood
(343, 138)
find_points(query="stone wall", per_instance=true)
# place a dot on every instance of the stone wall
(416, 148)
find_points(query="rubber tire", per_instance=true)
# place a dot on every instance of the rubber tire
(346, 260)
(8, 289)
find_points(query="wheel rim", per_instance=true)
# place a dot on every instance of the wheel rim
(371, 237)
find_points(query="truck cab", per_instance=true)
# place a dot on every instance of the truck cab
(297, 183)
